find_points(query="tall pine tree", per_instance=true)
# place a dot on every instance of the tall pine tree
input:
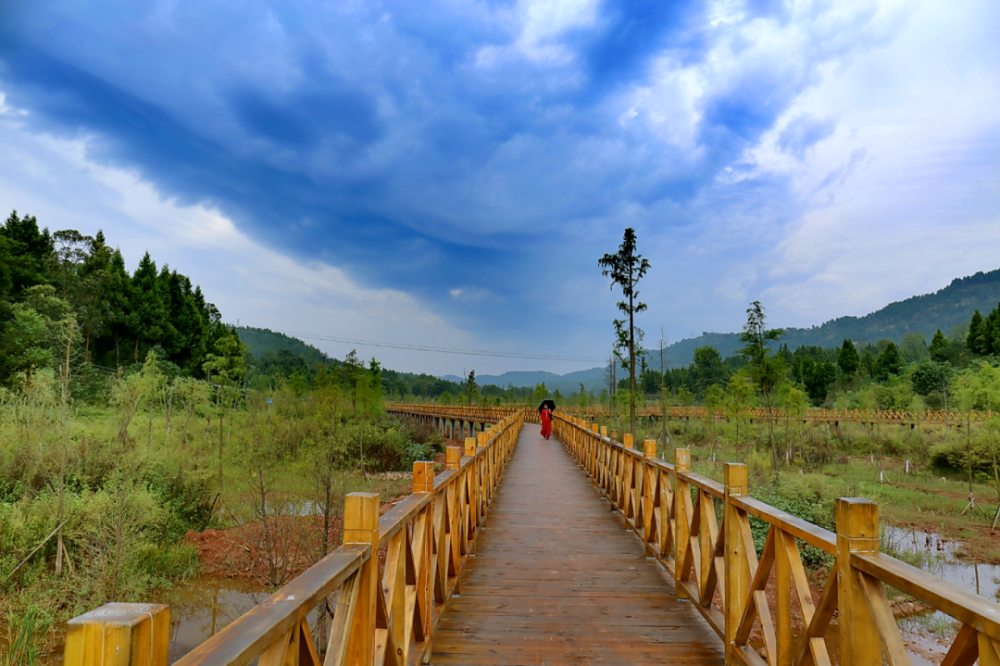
(148, 313)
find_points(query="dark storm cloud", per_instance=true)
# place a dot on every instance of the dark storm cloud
(420, 146)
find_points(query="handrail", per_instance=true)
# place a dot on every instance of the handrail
(461, 412)
(379, 619)
(892, 416)
(715, 564)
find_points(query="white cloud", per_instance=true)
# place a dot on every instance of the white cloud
(53, 180)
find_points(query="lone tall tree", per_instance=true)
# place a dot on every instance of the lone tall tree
(766, 372)
(626, 268)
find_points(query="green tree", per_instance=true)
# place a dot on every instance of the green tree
(708, 368)
(118, 303)
(31, 339)
(848, 359)
(739, 399)
(889, 362)
(626, 268)
(793, 401)
(445, 398)
(471, 387)
(913, 347)
(939, 347)
(991, 333)
(976, 339)
(147, 318)
(93, 304)
(226, 366)
(714, 398)
(30, 253)
(765, 372)
(931, 377)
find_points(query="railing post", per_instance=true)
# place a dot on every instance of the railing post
(454, 457)
(423, 482)
(857, 532)
(628, 441)
(736, 564)
(682, 522)
(649, 448)
(423, 476)
(361, 514)
(119, 634)
(604, 431)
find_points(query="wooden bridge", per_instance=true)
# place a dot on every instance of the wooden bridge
(511, 556)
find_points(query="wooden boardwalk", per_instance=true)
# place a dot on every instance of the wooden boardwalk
(558, 580)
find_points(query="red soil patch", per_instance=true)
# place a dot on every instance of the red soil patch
(243, 552)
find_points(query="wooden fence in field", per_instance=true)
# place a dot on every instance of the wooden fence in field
(834, 416)
(474, 414)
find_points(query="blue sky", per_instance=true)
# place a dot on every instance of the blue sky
(447, 173)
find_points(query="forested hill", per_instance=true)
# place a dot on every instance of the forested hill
(945, 309)
(261, 340)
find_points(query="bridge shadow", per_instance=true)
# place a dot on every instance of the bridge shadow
(557, 579)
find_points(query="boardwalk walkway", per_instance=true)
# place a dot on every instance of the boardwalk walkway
(557, 580)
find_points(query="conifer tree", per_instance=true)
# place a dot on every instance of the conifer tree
(939, 347)
(31, 251)
(118, 303)
(147, 317)
(889, 362)
(848, 359)
(976, 339)
(991, 333)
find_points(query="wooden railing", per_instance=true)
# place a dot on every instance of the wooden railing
(892, 416)
(715, 564)
(377, 620)
(457, 412)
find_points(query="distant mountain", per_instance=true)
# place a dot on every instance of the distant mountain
(945, 309)
(593, 380)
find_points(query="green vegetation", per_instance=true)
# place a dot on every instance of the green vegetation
(948, 309)
(130, 414)
(934, 476)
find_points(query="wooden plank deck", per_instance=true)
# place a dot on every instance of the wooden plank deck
(557, 580)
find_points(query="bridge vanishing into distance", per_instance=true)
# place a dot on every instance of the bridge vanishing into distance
(512, 556)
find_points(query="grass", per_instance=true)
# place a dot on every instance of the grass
(26, 637)
(830, 462)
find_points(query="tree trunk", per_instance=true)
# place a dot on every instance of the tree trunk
(631, 366)
(221, 422)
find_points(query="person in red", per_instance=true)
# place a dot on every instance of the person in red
(546, 416)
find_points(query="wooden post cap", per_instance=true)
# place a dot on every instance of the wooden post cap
(454, 459)
(615, 436)
(481, 440)
(361, 515)
(857, 519)
(470, 445)
(628, 440)
(649, 448)
(682, 459)
(595, 428)
(119, 634)
(735, 478)
(423, 476)
(604, 431)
